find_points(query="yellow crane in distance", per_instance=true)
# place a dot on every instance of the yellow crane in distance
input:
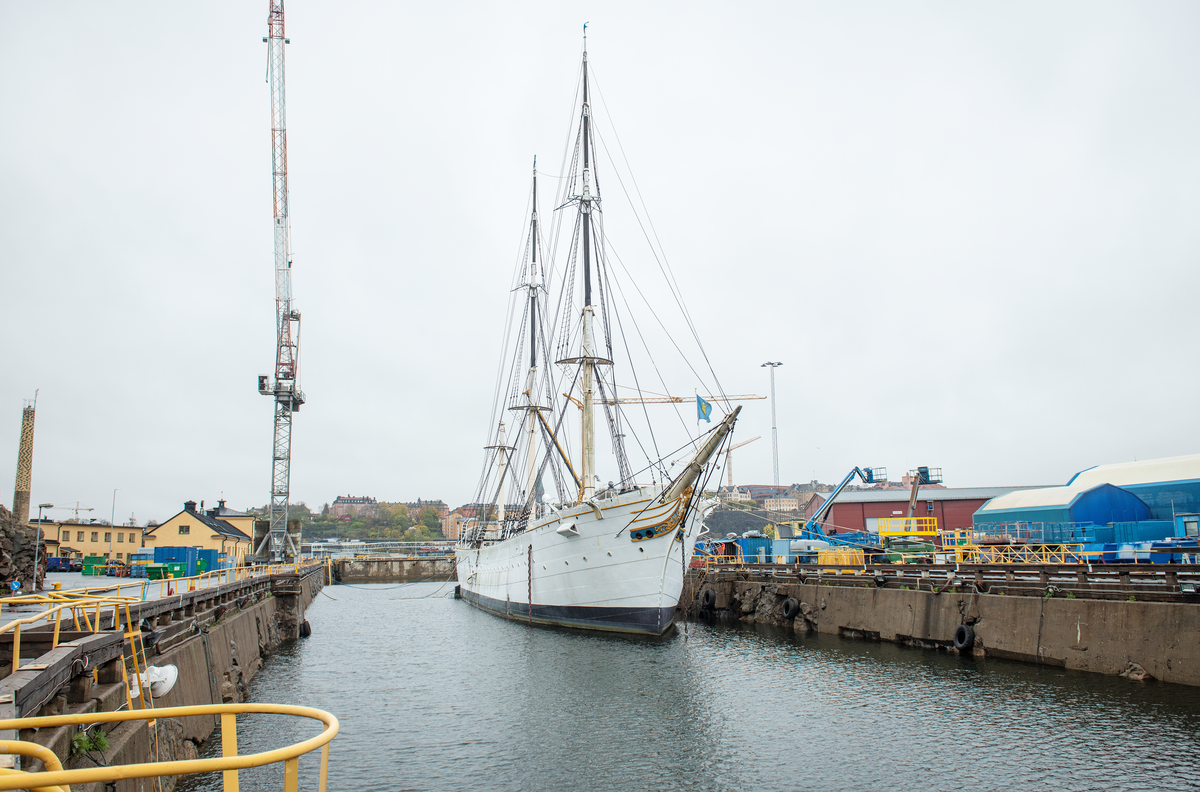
(729, 456)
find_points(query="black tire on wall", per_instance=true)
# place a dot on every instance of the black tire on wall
(964, 638)
(708, 599)
(305, 629)
(790, 608)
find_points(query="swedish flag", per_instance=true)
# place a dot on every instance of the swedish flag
(703, 409)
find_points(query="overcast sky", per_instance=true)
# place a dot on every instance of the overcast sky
(969, 231)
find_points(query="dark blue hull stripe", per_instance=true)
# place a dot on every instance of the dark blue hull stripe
(646, 621)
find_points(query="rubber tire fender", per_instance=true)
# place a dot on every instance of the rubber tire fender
(790, 608)
(305, 629)
(708, 599)
(964, 638)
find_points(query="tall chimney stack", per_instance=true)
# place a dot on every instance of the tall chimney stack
(24, 464)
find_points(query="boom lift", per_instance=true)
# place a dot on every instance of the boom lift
(869, 476)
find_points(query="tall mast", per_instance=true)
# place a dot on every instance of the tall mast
(286, 385)
(589, 361)
(532, 285)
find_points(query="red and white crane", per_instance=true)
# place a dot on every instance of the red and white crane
(285, 386)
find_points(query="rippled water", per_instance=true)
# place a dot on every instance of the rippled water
(435, 695)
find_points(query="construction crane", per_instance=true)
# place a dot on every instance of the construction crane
(729, 456)
(285, 387)
(76, 508)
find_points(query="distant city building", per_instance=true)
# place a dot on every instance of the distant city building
(781, 504)
(414, 508)
(453, 524)
(354, 506)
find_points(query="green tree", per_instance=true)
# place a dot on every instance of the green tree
(429, 518)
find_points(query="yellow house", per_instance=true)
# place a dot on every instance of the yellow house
(76, 539)
(221, 529)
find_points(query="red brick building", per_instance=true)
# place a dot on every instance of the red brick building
(953, 507)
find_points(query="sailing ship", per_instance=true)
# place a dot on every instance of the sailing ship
(604, 558)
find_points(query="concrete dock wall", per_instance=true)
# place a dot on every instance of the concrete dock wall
(1132, 638)
(217, 638)
(394, 570)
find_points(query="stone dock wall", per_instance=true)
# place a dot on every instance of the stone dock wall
(1138, 639)
(216, 637)
(394, 570)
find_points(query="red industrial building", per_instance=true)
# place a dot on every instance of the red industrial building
(953, 507)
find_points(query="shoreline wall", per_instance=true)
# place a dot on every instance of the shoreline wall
(394, 570)
(1140, 640)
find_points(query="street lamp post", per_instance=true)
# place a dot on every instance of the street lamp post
(37, 544)
(774, 430)
(112, 523)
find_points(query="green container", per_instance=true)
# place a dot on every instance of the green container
(201, 566)
(156, 571)
(177, 568)
(94, 565)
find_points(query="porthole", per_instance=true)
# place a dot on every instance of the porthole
(610, 555)
(641, 549)
(585, 558)
(568, 563)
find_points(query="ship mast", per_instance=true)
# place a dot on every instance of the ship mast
(589, 360)
(532, 285)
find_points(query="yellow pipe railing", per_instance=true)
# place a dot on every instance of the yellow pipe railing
(229, 763)
(89, 605)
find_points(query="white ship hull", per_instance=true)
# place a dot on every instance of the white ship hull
(578, 569)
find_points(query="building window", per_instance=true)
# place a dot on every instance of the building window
(95, 536)
(185, 529)
(108, 536)
(118, 554)
(80, 537)
(120, 538)
(131, 538)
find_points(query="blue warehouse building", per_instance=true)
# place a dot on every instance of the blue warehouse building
(1127, 502)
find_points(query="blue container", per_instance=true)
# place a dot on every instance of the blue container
(755, 550)
(210, 559)
(781, 550)
(179, 555)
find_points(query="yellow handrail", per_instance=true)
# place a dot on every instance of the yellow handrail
(229, 763)
(907, 526)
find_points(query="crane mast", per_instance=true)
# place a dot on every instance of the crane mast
(285, 387)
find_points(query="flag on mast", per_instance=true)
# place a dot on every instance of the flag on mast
(703, 409)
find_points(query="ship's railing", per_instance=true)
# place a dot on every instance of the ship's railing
(56, 779)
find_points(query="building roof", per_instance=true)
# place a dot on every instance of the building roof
(1121, 474)
(224, 512)
(1147, 471)
(930, 494)
(210, 519)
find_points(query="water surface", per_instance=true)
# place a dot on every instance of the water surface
(435, 695)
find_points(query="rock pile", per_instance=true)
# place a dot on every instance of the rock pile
(17, 551)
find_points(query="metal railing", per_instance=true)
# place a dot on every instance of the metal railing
(907, 526)
(229, 763)
(85, 609)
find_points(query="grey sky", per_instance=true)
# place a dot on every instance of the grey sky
(969, 231)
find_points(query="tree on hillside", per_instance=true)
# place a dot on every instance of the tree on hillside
(325, 510)
(429, 518)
